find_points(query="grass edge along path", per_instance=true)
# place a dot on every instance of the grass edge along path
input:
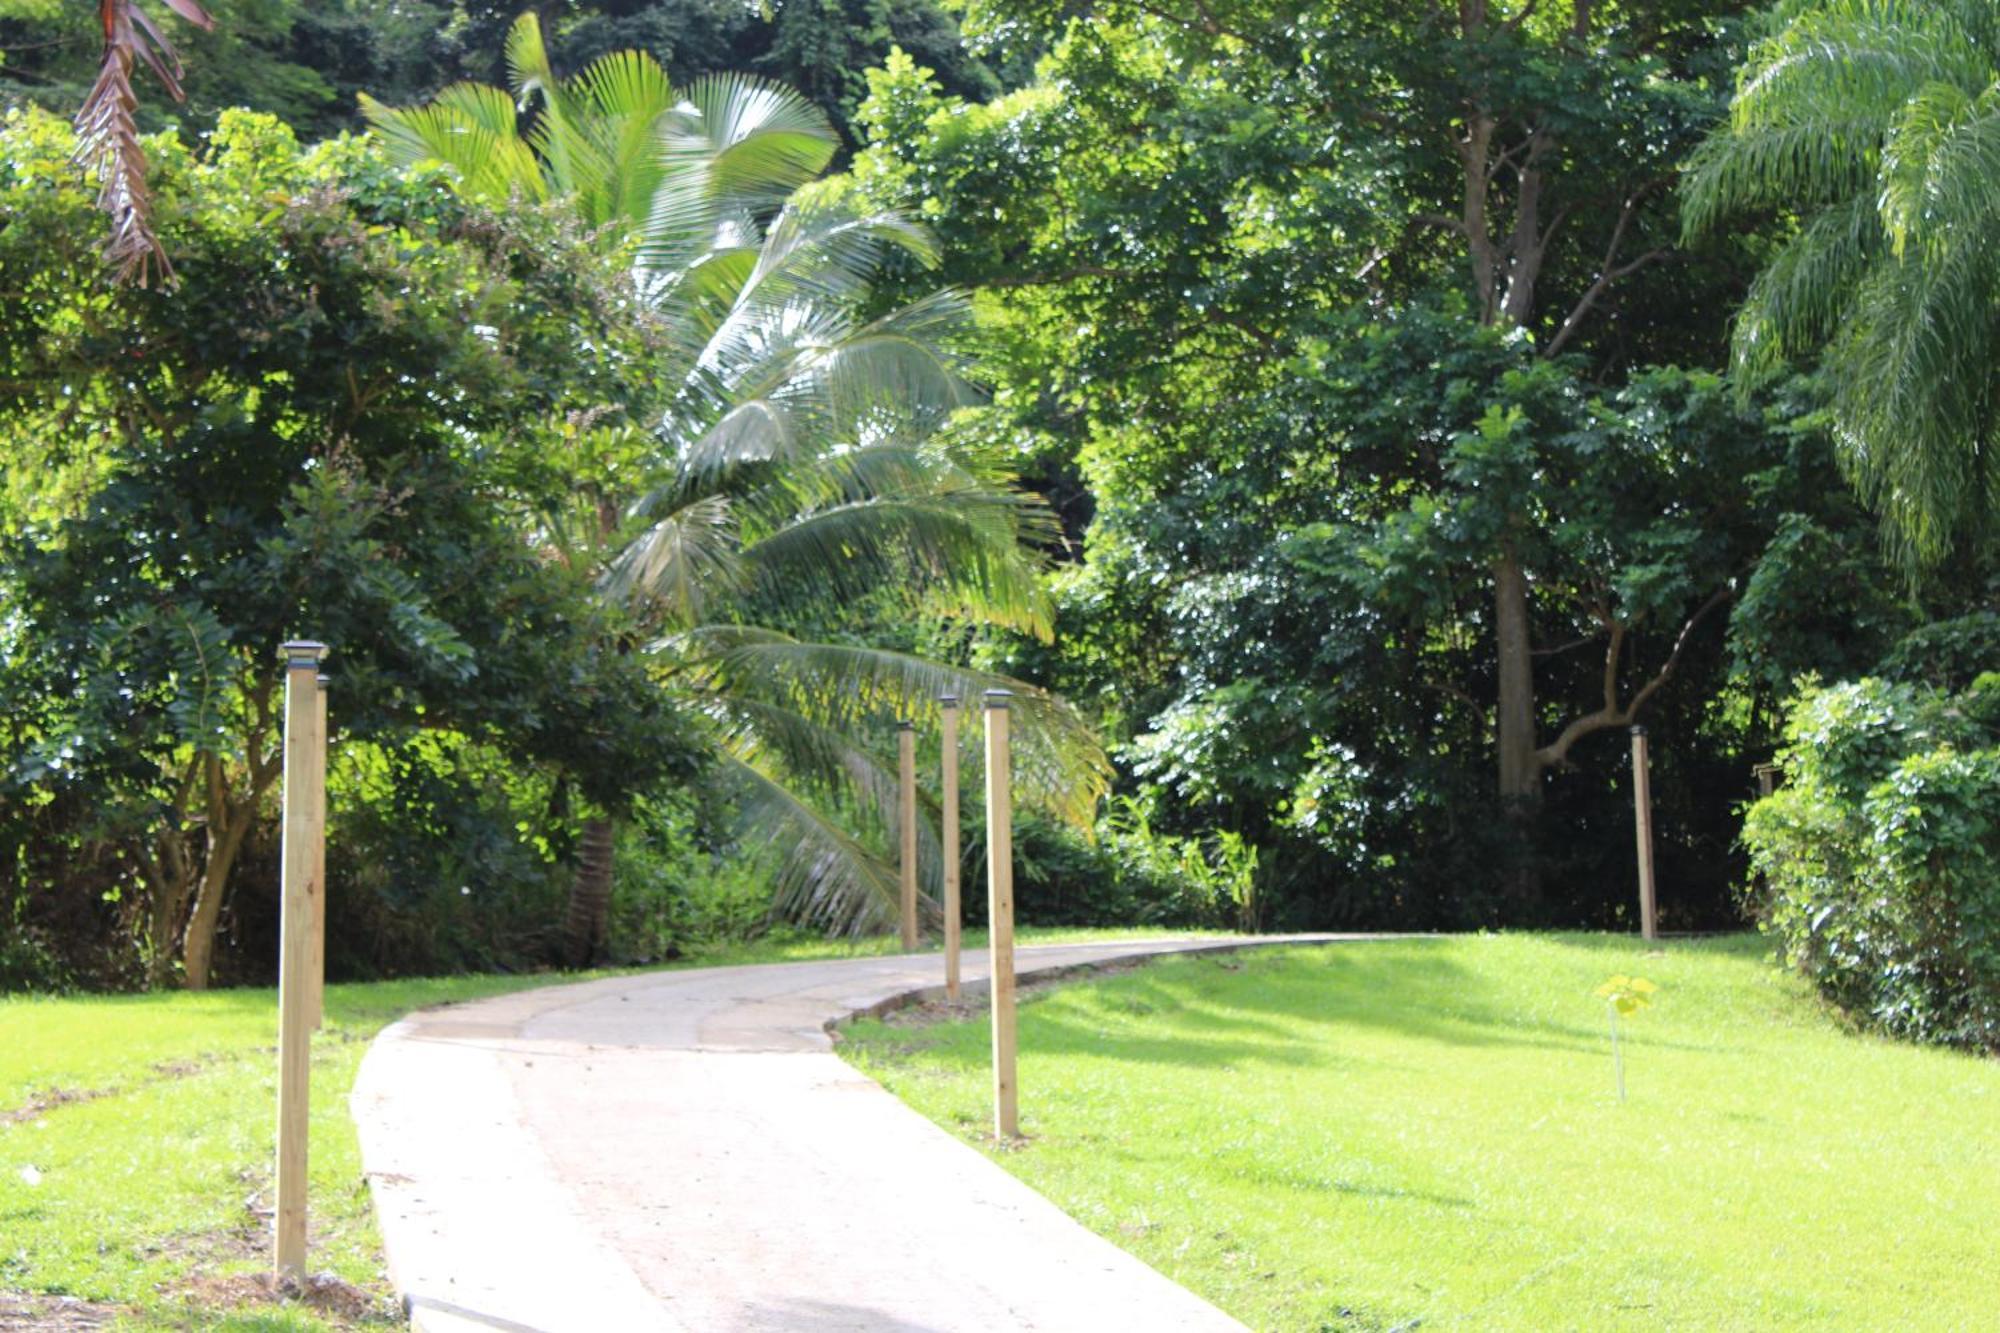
(1424, 1133)
(136, 1143)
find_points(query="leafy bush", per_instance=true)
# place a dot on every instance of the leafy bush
(1881, 855)
(674, 894)
(1129, 874)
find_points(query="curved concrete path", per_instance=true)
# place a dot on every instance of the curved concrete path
(683, 1150)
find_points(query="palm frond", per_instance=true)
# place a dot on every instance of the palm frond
(1800, 297)
(1940, 166)
(682, 563)
(468, 127)
(1915, 400)
(826, 877)
(736, 145)
(953, 540)
(1059, 764)
(1855, 54)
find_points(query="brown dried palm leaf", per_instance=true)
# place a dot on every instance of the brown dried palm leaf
(108, 132)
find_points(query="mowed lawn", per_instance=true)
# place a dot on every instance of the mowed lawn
(1425, 1133)
(136, 1145)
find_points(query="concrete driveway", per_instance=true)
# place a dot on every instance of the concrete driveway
(682, 1150)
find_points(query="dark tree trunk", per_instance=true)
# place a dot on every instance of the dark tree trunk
(1520, 765)
(590, 894)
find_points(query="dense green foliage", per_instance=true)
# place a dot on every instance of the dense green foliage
(1881, 856)
(1398, 467)
(331, 427)
(307, 61)
(1374, 360)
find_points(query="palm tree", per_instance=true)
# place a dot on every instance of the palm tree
(800, 465)
(1874, 127)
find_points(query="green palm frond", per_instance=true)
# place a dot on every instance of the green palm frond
(1915, 404)
(1059, 764)
(1797, 302)
(826, 877)
(778, 384)
(1941, 166)
(959, 539)
(683, 563)
(743, 145)
(469, 128)
(1855, 53)
(831, 767)
(1877, 123)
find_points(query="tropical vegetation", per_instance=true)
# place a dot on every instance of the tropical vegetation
(1338, 418)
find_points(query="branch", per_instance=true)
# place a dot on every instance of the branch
(1610, 270)
(1556, 752)
(1717, 598)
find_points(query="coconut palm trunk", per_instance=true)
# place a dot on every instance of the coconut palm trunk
(586, 924)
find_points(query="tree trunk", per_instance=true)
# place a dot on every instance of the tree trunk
(223, 844)
(1520, 767)
(172, 883)
(590, 893)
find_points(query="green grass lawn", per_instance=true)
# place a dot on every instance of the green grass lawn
(136, 1141)
(1424, 1133)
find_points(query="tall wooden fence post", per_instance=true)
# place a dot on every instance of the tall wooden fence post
(906, 826)
(1642, 807)
(316, 969)
(305, 753)
(1000, 912)
(953, 909)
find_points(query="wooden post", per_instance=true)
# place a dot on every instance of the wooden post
(1767, 779)
(1642, 806)
(906, 827)
(316, 969)
(1000, 912)
(304, 747)
(953, 909)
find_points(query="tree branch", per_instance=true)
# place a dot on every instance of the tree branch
(1556, 752)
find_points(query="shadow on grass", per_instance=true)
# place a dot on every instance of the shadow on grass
(1260, 1009)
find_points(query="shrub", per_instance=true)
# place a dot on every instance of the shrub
(1129, 874)
(673, 894)
(1881, 855)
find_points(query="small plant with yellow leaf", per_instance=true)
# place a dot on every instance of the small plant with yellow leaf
(1623, 996)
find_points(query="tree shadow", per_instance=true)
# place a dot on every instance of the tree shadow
(1410, 987)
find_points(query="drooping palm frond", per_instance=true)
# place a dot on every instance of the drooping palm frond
(826, 877)
(107, 131)
(1915, 395)
(682, 563)
(960, 539)
(1059, 764)
(850, 773)
(778, 383)
(1877, 123)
